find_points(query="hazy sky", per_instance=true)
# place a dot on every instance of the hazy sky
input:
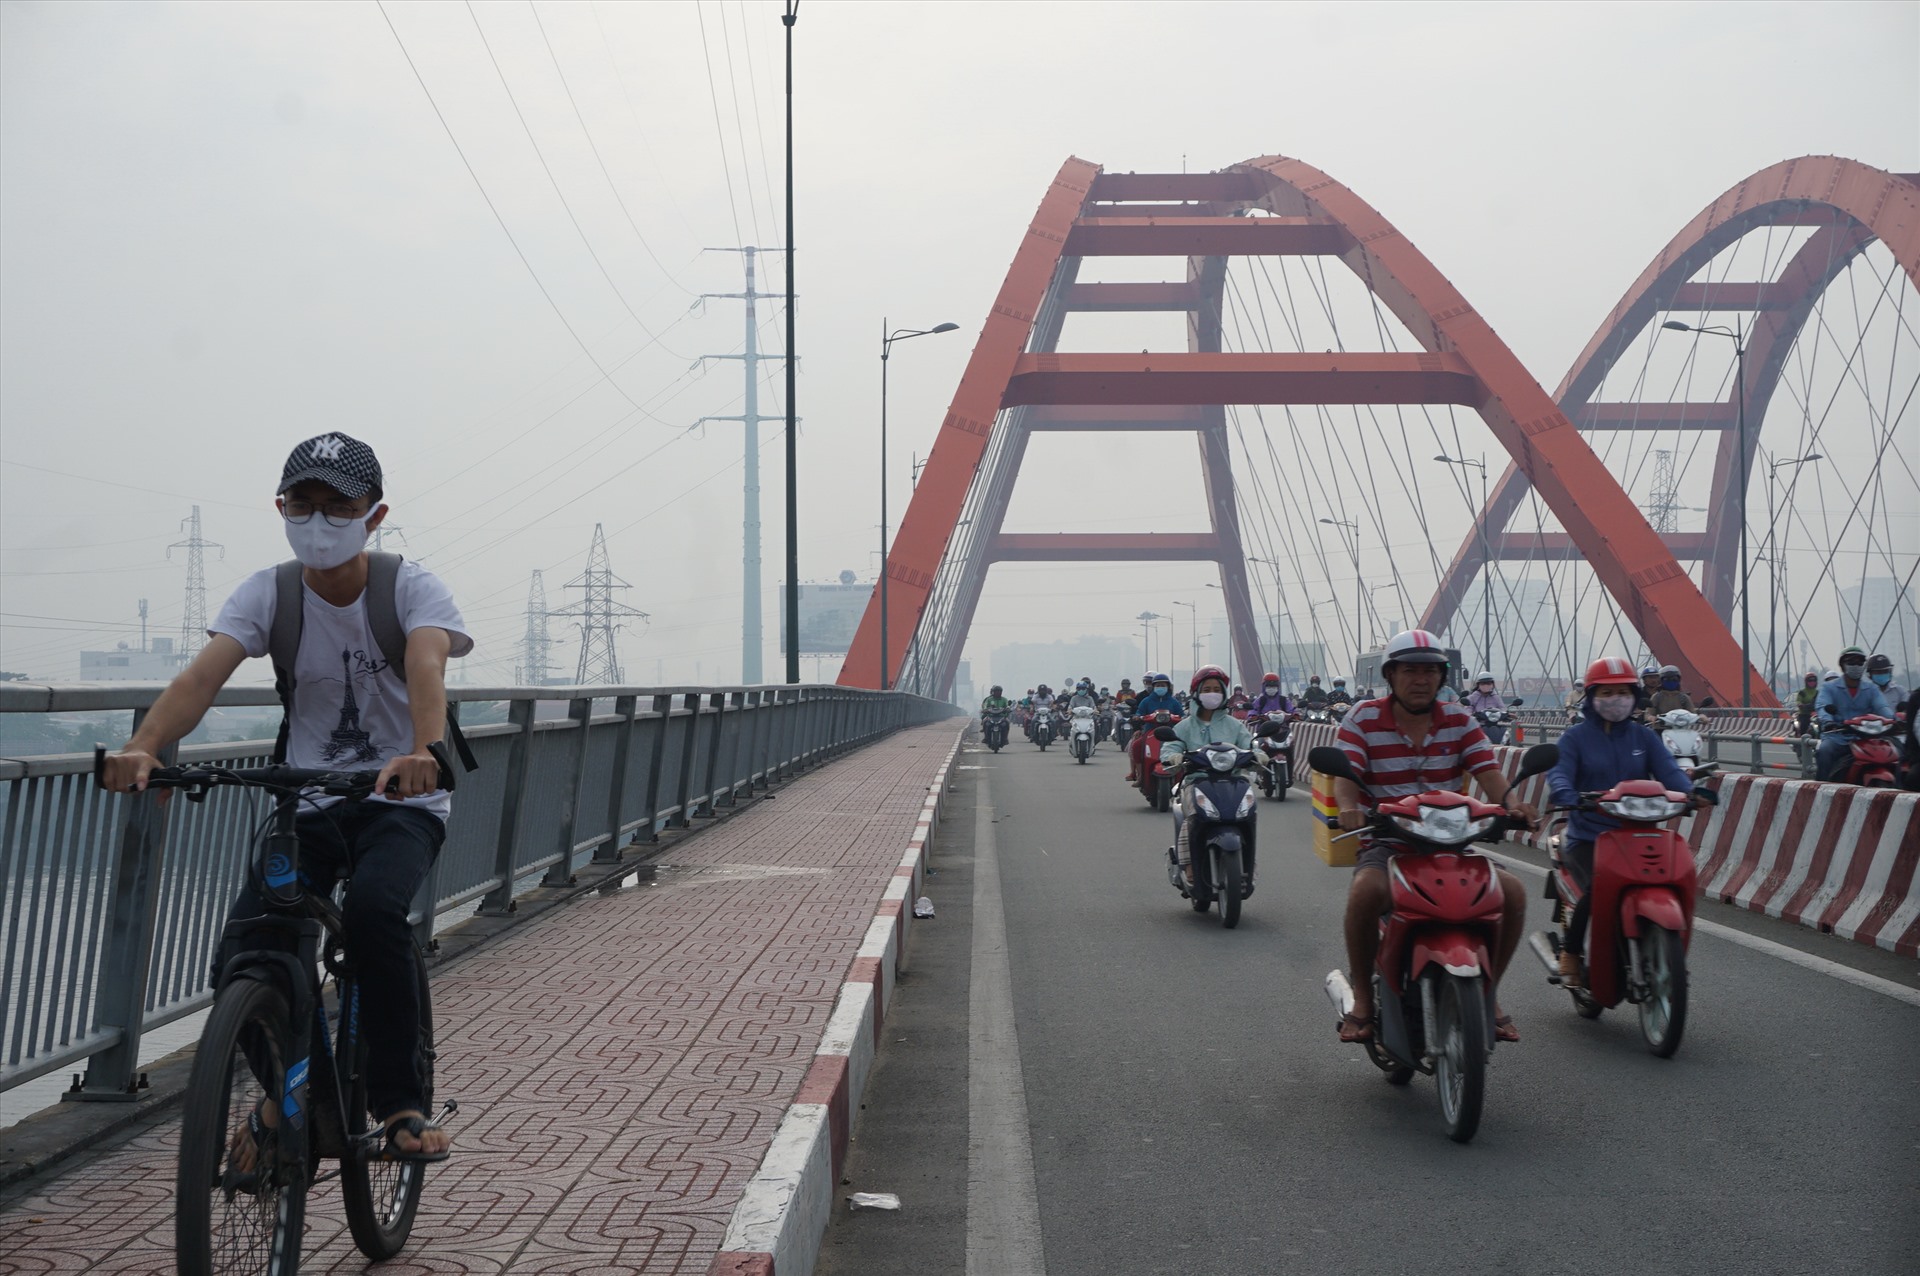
(224, 228)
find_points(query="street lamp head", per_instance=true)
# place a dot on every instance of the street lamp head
(1811, 456)
(946, 327)
(1674, 325)
(1444, 457)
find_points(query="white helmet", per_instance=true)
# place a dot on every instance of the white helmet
(1832, 675)
(1486, 675)
(1414, 647)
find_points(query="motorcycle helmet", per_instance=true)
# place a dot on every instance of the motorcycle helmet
(1339, 682)
(1314, 681)
(1270, 684)
(1413, 647)
(1205, 672)
(1669, 671)
(995, 691)
(1879, 664)
(1852, 656)
(1126, 684)
(1612, 671)
(1045, 690)
(1832, 675)
(1813, 678)
(1486, 675)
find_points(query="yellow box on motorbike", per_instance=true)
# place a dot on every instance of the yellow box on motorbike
(1326, 823)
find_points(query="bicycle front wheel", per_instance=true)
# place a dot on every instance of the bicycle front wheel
(382, 1196)
(239, 1208)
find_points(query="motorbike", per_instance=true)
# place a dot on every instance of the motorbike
(1317, 714)
(1875, 760)
(1433, 981)
(993, 729)
(1082, 728)
(1023, 715)
(1640, 919)
(1122, 725)
(1103, 725)
(1151, 776)
(1043, 730)
(1680, 732)
(1221, 840)
(1273, 753)
(1496, 721)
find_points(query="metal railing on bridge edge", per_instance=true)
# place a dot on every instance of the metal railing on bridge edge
(113, 905)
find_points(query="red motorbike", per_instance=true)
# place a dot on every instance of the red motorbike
(1433, 978)
(1640, 918)
(1875, 762)
(1150, 776)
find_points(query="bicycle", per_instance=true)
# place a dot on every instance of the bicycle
(256, 1054)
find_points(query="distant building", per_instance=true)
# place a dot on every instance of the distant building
(1880, 616)
(127, 663)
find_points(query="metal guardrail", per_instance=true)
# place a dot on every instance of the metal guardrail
(1741, 750)
(113, 905)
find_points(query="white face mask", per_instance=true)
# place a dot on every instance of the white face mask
(1613, 708)
(1211, 699)
(320, 545)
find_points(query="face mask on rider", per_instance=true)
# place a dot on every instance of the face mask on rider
(320, 545)
(1613, 708)
(1882, 679)
(1211, 700)
(1271, 689)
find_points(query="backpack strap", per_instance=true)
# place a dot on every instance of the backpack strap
(283, 645)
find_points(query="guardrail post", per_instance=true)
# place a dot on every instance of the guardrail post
(121, 1000)
(608, 852)
(580, 714)
(759, 775)
(738, 701)
(710, 800)
(662, 706)
(684, 816)
(513, 795)
(786, 703)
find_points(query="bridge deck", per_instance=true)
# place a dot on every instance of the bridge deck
(621, 1066)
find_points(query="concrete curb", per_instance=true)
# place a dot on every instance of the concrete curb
(782, 1216)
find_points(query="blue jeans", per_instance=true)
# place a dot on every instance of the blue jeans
(1836, 750)
(386, 850)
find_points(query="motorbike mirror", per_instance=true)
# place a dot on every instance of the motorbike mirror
(1516, 702)
(1164, 733)
(1271, 728)
(1330, 761)
(1538, 759)
(1705, 769)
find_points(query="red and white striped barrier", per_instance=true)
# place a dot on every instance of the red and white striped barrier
(777, 1227)
(1835, 857)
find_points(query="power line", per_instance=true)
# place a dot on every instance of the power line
(713, 95)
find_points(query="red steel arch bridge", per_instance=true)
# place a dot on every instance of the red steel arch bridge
(1811, 265)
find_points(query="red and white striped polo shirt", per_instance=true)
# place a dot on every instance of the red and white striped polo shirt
(1390, 766)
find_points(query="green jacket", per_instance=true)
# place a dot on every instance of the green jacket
(996, 704)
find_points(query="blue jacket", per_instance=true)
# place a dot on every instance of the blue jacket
(1836, 704)
(1154, 702)
(1596, 755)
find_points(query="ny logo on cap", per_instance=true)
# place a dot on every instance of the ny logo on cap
(329, 448)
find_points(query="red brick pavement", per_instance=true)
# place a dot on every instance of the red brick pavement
(621, 1065)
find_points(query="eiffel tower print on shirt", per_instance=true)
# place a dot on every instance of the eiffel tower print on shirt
(348, 741)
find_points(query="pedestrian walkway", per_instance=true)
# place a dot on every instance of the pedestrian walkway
(621, 1066)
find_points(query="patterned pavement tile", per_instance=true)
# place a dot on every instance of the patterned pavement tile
(621, 1064)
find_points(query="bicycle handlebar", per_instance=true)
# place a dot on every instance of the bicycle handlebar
(198, 779)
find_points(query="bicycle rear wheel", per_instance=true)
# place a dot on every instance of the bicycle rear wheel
(382, 1196)
(225, 1220)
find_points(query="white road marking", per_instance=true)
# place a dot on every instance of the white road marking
(1845, 974)
(1003, 1208)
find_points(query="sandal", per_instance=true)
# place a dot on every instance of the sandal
(1354, 1029)
(1503, 1029)
(417, 1127)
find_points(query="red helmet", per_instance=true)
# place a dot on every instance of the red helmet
(1205, 672)
(1612, 671)
(1269, 677)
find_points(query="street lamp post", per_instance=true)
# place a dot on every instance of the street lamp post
(1776, 564)
(1737, 334)
(886, 349)
(1486, 560)
(1359, 605)
(1193, 622)
(1146, 619)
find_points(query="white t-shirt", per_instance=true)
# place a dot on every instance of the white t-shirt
(350, 709)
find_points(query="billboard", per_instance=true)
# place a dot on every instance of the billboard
(829, 614)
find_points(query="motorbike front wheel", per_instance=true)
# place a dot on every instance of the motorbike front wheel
(1663, 969)
(1282, 781)
(1460, 1065)
(1163, 794)
(1227, 886)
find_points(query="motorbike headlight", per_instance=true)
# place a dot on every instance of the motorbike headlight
(1222, 759)
(1871, 727)
(1447, 825)
(1246, 806)
(1206, 806)
(1643, 807)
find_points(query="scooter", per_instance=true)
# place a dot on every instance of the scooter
(993, 729)
(1082, 728)
(1042, 734)
(1640, 917)
(1221, 840)
(1875, 761)
(1433, 984)
(1273, 751)
(1316, 715)
(1103, 725)
(1680, 732)
(1122, 724)
(1151, 776)
(1496, 721)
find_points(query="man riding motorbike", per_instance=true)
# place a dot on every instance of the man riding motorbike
(1404, 743)
(1315, 696)
(995, 702)
(1159, 699)
(1880, 674)
(1339, 695)
(1669, 697)
(1270, 699)
(1603, 749)
(1210, 723)
(1649, 680)
(1485, 699)
(1803, 702)
(1125, 696)
(1850, 696)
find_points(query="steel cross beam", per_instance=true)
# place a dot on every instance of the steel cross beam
(1213, 379)
(1108, 547)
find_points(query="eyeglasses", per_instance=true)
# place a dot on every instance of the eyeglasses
(337, 513)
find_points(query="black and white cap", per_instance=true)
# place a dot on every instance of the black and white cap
(341, 462)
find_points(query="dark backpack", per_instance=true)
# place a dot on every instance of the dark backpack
(383, 617)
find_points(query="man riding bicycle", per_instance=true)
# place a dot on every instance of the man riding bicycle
(346, 707)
